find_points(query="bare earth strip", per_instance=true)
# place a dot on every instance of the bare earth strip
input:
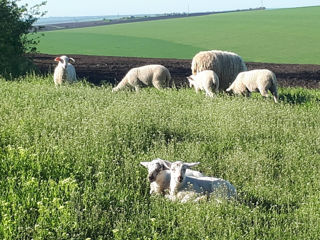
(103, 69)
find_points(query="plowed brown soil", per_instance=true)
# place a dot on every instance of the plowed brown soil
(100, 69)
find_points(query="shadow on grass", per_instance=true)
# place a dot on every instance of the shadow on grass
(298, 96)
(266, 205)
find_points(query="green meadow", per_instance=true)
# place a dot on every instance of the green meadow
(279, 36)
(69, 162)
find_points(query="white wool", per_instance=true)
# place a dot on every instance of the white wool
(159, 175)
(206, 80)
(64, 71)
(179, 181)
(259, 80)
(225, 64)
(149, 75)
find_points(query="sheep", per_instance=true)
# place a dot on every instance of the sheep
(225, 64)
(148, 75)
(179, 181)
(206, 80)
(259, 80)
(159, 175)
(187, 196)
(64, 71)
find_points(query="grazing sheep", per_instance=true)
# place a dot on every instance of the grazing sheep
(206, 80)
(203, 185)
(259, 80)
(64, 71)
(149, 75)
(159, 175)
(226, 65)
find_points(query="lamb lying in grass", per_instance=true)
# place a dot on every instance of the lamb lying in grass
(159, 175)
(206, 80)
(259, 80)
(149, 75)
(208, 186)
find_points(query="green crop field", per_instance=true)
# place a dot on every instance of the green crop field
(281, 36)
(69, 162)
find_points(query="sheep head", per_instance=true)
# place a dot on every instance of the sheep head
(229, 90)
(155, 167)
(64, 60)
(191, 81)
(178, 170)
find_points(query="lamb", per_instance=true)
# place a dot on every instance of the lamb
(159, 175)
(225, 64)
(64, 71)
(206, 80)
(148, 75)
(259, 80)
(220, 188)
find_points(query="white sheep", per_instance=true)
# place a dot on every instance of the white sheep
(208, 186)
(259, 80)
(225, 64)
(206, 80)
(159, 175)
(148, 75)
(64, 71)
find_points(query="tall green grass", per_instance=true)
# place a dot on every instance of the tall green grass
(282, 36)
(69, 162)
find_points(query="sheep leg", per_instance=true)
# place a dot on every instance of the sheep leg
(264, 93)
(247, 93)
(158, 85)
(210, 94)
(137, 88)
(275, 98)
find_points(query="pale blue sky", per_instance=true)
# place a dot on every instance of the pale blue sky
(65, 8)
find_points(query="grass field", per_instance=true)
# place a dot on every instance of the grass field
(279, 36)
(69, 162)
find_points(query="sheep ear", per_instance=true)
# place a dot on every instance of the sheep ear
(57, 59)
(166, 165)
(72, 60)
(145, 164)
(190, 165)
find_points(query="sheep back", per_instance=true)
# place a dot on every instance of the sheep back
(225, 64)
(156, 75)
(148, 75)
(254, 80)
(208, 80)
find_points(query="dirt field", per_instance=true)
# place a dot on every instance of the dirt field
(100, 69)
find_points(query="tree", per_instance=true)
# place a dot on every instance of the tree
(17, 37)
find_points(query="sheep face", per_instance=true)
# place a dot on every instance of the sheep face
(154, 168)
(63, 61)
(178, 170)
(191, 81)
(229, 91)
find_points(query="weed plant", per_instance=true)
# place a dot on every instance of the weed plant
(69, 162)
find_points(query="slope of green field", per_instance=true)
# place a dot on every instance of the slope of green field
(69, 162)
(282, 36)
